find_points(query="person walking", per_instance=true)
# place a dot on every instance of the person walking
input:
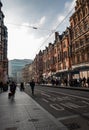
(32, 84)
(1, 86)
(21, 86)
(12, 89)
(88, 81)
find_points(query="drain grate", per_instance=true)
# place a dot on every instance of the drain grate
(73, 126)
(33, 120)
(11, 128)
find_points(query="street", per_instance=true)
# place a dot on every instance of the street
(71, 107)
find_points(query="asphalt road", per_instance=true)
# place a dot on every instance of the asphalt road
(71, 107)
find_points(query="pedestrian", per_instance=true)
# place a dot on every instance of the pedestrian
(88, 81)
(84, 82)
(1, 86)
(12, 89)
(32, 84)
(21, 86)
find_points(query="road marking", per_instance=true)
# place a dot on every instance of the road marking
(67, 117)
(45, 100)
(53, 99)
(57, 107)
(71, 105)
(85, 102)
(45, 94)
(68, 95)
(63, 98)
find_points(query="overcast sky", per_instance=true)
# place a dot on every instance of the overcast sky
(21, 16)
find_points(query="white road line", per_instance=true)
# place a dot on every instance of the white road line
(69, 95)
(57, 107)
(45, 100)
(71, 105)
(67, 117)
(66, 94)
(85, 102)
(45, 94)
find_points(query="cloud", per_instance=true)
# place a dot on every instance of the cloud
(42, 21)
(22, 44)
(60, 18)
(69, 5)
(39, 23)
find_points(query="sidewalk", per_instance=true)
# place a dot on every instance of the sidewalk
(23, 113)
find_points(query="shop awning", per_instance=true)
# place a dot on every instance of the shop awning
(81, 68)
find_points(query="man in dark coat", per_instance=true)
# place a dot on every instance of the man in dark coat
(1, 86)
(32, 84)
(13, 88)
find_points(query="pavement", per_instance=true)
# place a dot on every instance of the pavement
(23, 113)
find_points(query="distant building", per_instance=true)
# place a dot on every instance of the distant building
(15, 67)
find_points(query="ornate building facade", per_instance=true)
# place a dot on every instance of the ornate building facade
(79, 23)
(68, 56)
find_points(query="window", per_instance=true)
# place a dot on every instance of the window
(0, 57)
(78, 58)
(81, 16)
(83, 57)
(76, 45)
(88, 56)
(59, 66)
(59, 56)
(64, 65)
(81, 42)
(81, 29)
(87, 39)
(86, 26)
(73, 59)
(73, 47)
(65, 54)
(86, 11)
(64, 44)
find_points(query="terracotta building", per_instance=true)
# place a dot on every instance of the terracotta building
(3, 48)
(62, 54)
(68, 56)
(49, 67)
(79, 23)
(38, 67)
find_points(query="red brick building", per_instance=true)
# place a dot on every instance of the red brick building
(79, 23)
(3, 48)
